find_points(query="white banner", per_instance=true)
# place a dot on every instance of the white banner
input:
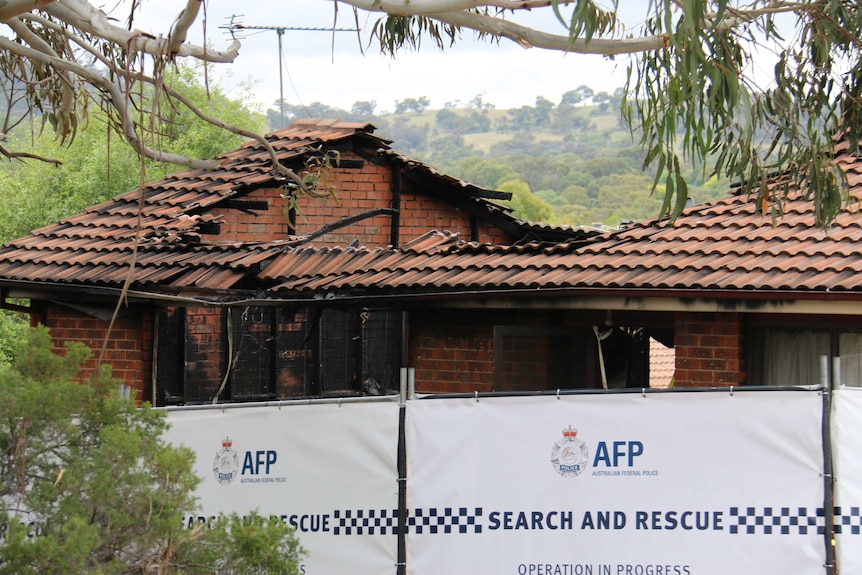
(328, 470)
(847, 465)
(701, 483)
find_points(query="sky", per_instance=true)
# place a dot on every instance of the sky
(327, 67)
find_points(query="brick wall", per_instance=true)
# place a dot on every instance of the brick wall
(451, 354)
(128, 350)
(709, 350)
(260, 226)
(421, 213)
(525, 360)
(358, 190)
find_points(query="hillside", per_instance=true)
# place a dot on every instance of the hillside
(567, 163)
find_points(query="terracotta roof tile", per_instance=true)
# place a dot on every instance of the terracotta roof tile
(662, 364)
(725, 246)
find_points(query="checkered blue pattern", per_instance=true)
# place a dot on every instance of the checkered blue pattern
(365, 522)
(847, 520)
(445, 520)
(776, 520)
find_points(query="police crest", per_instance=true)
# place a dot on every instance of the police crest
(570, 455)
(226, 463)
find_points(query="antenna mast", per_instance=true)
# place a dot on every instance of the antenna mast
(234, 27)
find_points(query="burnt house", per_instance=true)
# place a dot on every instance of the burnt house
(199, 323)
(235, 293)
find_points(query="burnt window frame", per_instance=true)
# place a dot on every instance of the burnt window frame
(286, 349)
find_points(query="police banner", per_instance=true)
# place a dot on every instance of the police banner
(847, 465)
(697, 483)
(328, 470)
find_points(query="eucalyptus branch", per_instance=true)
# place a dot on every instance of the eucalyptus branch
(27, 155)
(530, 37)
(119, 103)
(12, 8)
(86, 18)
(181, 26)
(67, 101)
(278, 167)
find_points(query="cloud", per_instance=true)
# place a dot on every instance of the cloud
(322, 67)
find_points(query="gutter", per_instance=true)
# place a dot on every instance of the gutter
(650, 300)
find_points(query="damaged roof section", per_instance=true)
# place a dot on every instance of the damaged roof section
(730, 246)
(162, 222)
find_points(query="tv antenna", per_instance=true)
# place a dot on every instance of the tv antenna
(234, 26)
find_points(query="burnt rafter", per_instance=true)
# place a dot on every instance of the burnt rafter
(343, 222)
(348, 164)
(491, 194)
(245, 206)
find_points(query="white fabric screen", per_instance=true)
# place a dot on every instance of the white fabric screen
(847, 464)
(677, 484)
(328, 469)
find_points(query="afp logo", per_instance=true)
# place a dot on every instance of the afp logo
(570, 456)
(255, 464)
(226, 463)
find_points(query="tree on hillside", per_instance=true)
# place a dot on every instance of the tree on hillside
(579, 95)
(693, 88)
(478, 103)
(602, 101)
(525, 205)
(90, 484)
(364, 108)
(417, 105)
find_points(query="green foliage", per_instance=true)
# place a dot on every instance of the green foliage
(397, 32)
(99, 165)
(566, 119)
(413, 137)
(13, 327)
(580, 95)
(529, 117)
(412, 105)
(92, 486)
(184, 133)
(485, 173)
(524, 203)
(462, 122)
(35, 194)
(697, 99)
(364, 108)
